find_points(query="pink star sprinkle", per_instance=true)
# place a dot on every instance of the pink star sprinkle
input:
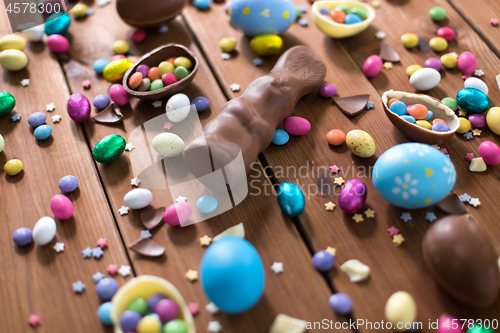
(443, 150)
(393, 231)
(168, 125)
(112, 269)
(469, 156)
(194, 308)
(34, 320)
(334, 169)
(102, 243)
(494, 22)
(86, 84)
(465, 76)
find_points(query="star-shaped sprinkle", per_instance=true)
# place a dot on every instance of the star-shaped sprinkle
(466, 76)
(462, 113)
(16, 117)
(129, 147)
(214, 326)
(494, 22)
(180, 198)
(146, 234)
(102, 3)
(331, 250)
(168, 125)
(370, 212)
(302, 9)
(50, 107)
(97, 252)
(468, 135)
(376, 4)
(90, 12)
(478, 73)
(277, 267)
(102, 243)
(191, 275)
(358, 218)
(98, 277)
(303, 22)
(334, 169)
(194, 308)
(465, 197)
(469, 156)
(158, 103)
(34, 320)
(78, 287)
(205, 240)
(454, 54)
(405, 217)
(443, 150)
(162, 28)
(225, 56)
(476, 132)
(430, 216)
(123, 210)
(398, 239)
(87, 253)
(135, 182)
(393, 231)
(59, 247)
(329, 206)
(86, 84)
(369, 105)
(112, 269)
(387, 65)
(235, 87)
(380, 35)
(474, 202)
(56, 119)
(339, 181)
(257, 62)
(212, 308)
(25, 82)
(124, 270)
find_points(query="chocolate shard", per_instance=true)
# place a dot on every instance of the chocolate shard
(423, 45)
(387, 53)
(147, 247)
(451, 204)
(351, 105)
(110, 115)
(152, 218)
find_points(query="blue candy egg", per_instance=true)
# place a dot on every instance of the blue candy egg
(106, 288)
(104, 313)
(280, 137)
(57, 23)
(323, 11)
(36, 119)
(429, 115)
(68, 183)
(262, 17)
(201, 103)
(409, 119)
(22, 236)
(206, 204)
(398, 108)
(42, 132)
(473, 100)
(99, 65)
(340, 303)
(413, 175)
(352, 18)
(232, 274)
(440, 127)
(202, 4)
(323, 260)
(101, 101)
(291, 199)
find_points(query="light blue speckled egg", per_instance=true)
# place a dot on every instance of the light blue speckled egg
(413, 175)
(261, 17)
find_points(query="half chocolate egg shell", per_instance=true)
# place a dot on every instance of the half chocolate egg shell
(149, 13)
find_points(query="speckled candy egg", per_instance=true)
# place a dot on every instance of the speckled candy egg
(138, 198)
(168, 144)
(61, 206)
(472, 100)
(467, 62)
(109, 148)
(360, 143)
(372, 66)
(78, 108)
(353, 196)
(261, 17)
(178, 107)
(425, 79)
(413, 175)
(291, 199)
(296, 126)
(44, 231)
(489, 152)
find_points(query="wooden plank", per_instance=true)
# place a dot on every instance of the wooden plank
(272, 235)
(36, 279)
(392, 268)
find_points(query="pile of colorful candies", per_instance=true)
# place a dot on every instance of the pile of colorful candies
(417, 114)
(346, 15)
(37, 121)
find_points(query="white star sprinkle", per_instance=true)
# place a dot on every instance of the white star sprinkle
(129, 147)
(380, 35)
(135, 182)
(157, 103)
(125, 270)
(59, 247)
(212, 308)
(25, 82)
(50, 107)
(455, 54)
(235, 87)
(225, 56)
(214, 326)
(277, 267)
(56, 118)
(102, 3)
(474, 202)
(478, 73)
(257, 61)
(180, 198)
(123, 210)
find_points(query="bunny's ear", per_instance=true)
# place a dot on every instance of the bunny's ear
(303, 64)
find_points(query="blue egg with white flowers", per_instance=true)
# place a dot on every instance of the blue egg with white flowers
(42, 132)
(291, 199)
(280, 137)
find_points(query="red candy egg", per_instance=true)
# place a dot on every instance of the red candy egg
(446, 33)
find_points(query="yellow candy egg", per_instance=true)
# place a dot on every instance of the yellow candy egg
(12, 42)
(165, 67)
(184, 62)
(424, 123)
(401, 311)
(13, 167)
(228, 44)
(438, 44)
(464, 126)
(409, 40)
(80, 10)
(120, 47)
(493, 120)
(360, 143)
(116, 69)
(266, 45)
(149, 324)
(13, 60)
(449, 61)
(412, 69)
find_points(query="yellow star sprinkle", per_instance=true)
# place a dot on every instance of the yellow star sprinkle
(436, 146)
(387, 65)
(358, 218)
(398, 239)
(205, 241)
(339, 181)
(370, 212)
(376, 4)
(331, 250)
(476, 132)
(191, 275)
(330, 206)
(462, 113)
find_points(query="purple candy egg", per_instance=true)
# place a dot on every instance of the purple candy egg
(36, 119)
(167, 310)
(106, 288)
(353, 196)
(68, 183)
(340, 303)
(433, 63)
(154, 299)
(22, 236)
(129, 320)
(323, 11)
(201, 103)
(323, 260)
(477, 120)
(440, 127)
(78, 108)
(143, 69)
(101, 101)
(327, 90)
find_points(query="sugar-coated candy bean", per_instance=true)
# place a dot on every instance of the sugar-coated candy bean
(352, 19)
(120, 47)
(13, 167)
(104, 313)
(155, 85)
(184, 62)
(440, 127)
(392, 100)
(58, 43)
(433, 63)
(327, 90)
(154, 74)
(201, 103)
(335, 137)
(341, 303)
(167, 310)
(36, 119)
(398, 108)
(143, 69)
(138, 36)
(464, 125)
(145, 85)
(467, 62)
(449, 61)
(22, 236)
(437, 13)
(118, 94)
(140, 304)
(409, 40)
(169, 79)
(99, 65)
(409, 119)
(129, 320)
(418, 111)
(12, 42)
(446, 33)
(323, 260)
(424, 124)
(61, 206)
(42, 132)
(412, 69)
(135, 80)
(68, 183)
(489, 152)
(372, 66)
(477, 120)
(181, 72)
(450, 102)
(438, 44)
(439, 120)
(101, 101)
(228, 44)
(429, 115)
(337, 15)
(80, 10)
(165, 67)
(106, 288)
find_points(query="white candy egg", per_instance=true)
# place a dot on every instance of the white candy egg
(34, 34)
(474, 82)
(178, 107)
(44, 231)
(138, 198)
(425, 79)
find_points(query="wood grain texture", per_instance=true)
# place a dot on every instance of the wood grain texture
(393, 268)
(275, 238)
(35, 279)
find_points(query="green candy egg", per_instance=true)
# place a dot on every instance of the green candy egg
(109, 148)
(450, 102)
(476, 329)
(175, 326)
(139, 305)
(360, 12)
(181, 72)
(156, 84)
(437, 13)
(7, 103)
(343, 8)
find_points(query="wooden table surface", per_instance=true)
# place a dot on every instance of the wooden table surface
(37, 280)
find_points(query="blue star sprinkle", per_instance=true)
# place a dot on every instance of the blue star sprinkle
(303, 22)
(16, 117)
(78, 287)
(430, 216)
(146, 234)
(90, 12)
(87, 253)
(405, 217)
(465, 197)
(98, 277)
(369, 105)
(162, 28)
(302, 9)
(97, 252)
(257, 61)
(468, 135)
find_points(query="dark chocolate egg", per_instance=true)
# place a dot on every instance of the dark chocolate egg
(149, 13)
(462, 260)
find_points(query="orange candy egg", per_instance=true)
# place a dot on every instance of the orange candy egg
(392, 100)
(337, 16)
(135, 80)
(418, 111)
(335, 137)
(154, 74)
(437, 120)
(172, 60)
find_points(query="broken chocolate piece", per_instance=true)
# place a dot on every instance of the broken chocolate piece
(387, 53)
(451, 204)
(152, 218)
(110, 115)
(147, 247)
(352, 105)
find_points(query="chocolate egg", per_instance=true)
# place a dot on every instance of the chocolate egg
(473, 100)
(149, 13)
(78, 108)
(353, 196)
(462, 260)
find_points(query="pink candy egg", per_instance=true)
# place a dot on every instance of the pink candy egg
(372, 65)
(446, 33)
(467, 62)
(117, 57)
(449, 324)
(490, 153)
(168, 79)
(177, 213)
(296, 126)
(138, 36)
(118, 94)
(61, 206)
(58, 43)
(78, 107)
